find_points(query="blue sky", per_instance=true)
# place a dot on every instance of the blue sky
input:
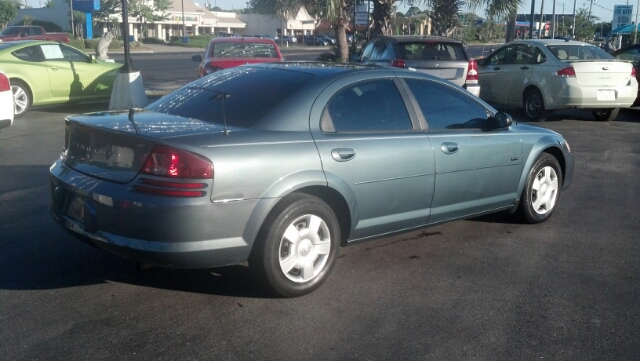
(601, 8)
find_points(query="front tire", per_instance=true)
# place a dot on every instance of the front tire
(296, 248)
(533, 104)
(542, 190)
(605, 115)
(21, 98)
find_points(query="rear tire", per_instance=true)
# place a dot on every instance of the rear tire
(296, 248)
(542, 190)
(533, 104)
(21, 98)
(605, 115)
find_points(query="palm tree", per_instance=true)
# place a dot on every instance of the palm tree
(498, 8)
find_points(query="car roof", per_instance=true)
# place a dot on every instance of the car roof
(545, 42)
(243, 39)
(419, 38)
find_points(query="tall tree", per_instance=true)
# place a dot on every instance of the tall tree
(445, 16)
(381, 17)
(8, 11)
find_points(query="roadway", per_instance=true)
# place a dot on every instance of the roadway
(480, 289)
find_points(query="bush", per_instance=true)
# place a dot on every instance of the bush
(92, 43)
(77, 43)
(199, 41)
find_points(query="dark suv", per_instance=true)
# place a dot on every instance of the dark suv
(439, 56)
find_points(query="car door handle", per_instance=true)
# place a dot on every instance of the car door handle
(343, 154)
(449, 147)
(524, 67)
(53, 68)
(496, 68)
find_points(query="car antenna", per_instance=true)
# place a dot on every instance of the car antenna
(135, 126)
(219, 95)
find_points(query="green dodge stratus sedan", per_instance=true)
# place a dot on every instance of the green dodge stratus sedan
(49, 73)
(281, 164)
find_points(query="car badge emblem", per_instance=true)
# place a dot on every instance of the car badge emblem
(605, 68)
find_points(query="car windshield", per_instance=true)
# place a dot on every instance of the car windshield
(239, 96)
(578, 52)
(244, 50)
(430, 51)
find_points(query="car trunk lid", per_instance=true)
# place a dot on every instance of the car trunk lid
(453, 71)
(602, 73)
(108, 145)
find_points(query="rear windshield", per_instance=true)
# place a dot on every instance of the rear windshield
(578, 52)
(431, 51)
(239, 96)
(243, 50)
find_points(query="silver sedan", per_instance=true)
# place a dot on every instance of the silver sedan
(550, 74)
(281, 165)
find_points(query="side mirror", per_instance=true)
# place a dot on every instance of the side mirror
(354, 57)
(196, 58)
(481, 62)
(503, 120)
(92, 59)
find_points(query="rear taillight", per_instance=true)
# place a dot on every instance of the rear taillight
(633, 72)
(398, 63)
(472, 72)
(177, 165)
(568, 72)
(4, 83)
(174, 163)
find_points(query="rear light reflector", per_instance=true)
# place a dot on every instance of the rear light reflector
(472, 72)
(174, 163)
(398, 63)
(568, 72)
(633, 72)
(4, 83)
(171, 189)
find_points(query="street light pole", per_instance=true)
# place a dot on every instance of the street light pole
(635, 30)
(184, 27)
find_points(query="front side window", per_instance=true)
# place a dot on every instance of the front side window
(61, 52)
(500, 57)
(446, 108)
(368, 106)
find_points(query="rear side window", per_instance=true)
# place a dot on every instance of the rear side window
(368, 106)
(431, 51)
(446, 108)
(239, 96)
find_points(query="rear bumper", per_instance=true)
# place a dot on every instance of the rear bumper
(161, 231)
(572, 95)
(473, 89)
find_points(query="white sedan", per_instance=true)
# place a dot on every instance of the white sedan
(6, 101)
(549, 74)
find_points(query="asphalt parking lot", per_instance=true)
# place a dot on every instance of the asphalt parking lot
(480, 289)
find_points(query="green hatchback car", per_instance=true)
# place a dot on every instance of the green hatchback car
(49, 73)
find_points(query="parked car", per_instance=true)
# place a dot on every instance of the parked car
(440, 56)
(316, 40)
(31, 32)
(223, 53)
(549, 74)
(6, 101)
(48, 73)
(281, 164)
(632, 54)
(289, 38)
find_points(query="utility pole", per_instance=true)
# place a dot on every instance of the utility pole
(573, 28)
(553, 21)
(635, 29)
(533, 13)
(541, 20)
